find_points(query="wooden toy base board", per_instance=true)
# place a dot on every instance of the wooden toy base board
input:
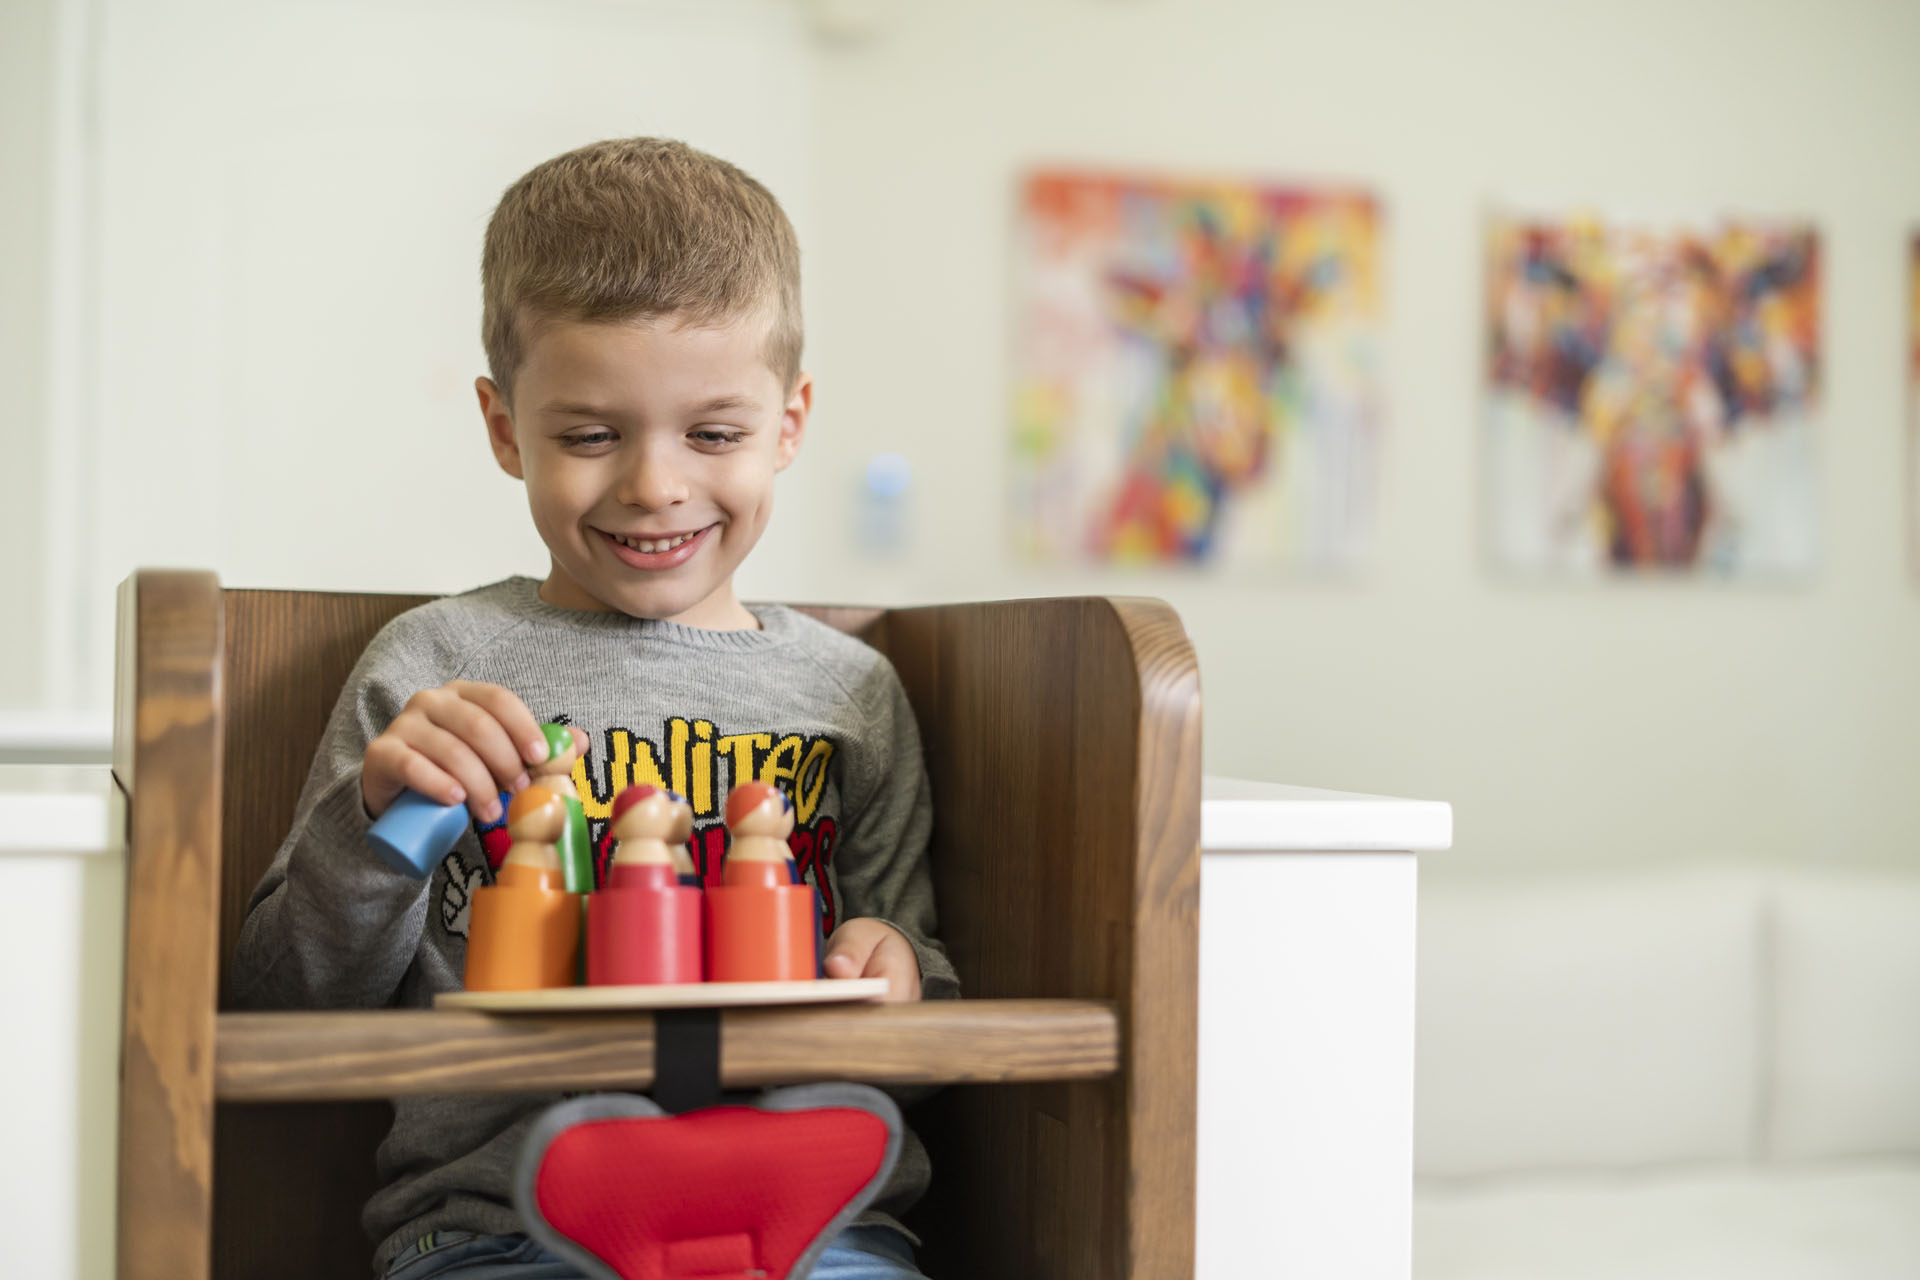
(681, 995)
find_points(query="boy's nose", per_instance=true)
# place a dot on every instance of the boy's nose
(652, 486)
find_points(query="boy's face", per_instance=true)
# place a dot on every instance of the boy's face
(649, 450)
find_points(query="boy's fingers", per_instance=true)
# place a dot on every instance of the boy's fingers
(849, 951)
(430, 780)
(450, 754)
(391, 766)
(869, 949)
(383, 774)
(475, 725)
(518, 723)
(853, 951)
(894, 960)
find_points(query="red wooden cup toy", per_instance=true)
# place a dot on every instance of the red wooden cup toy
(644, 926)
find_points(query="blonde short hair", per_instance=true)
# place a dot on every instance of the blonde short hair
(634, 229)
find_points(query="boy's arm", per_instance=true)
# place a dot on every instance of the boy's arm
(330, 926)
(883, 867)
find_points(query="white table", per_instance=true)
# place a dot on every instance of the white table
(1307, 902)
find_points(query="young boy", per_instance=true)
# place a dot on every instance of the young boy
(642, 330)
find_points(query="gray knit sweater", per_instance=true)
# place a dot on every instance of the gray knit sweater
(795, 703)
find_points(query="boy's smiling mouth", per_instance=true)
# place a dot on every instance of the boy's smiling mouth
(658, 552)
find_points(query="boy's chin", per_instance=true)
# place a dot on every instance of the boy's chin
(715, 610)
(569, 592)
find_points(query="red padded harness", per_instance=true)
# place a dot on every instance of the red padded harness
(727, 1193)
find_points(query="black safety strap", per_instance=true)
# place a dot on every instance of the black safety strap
(686, 1059)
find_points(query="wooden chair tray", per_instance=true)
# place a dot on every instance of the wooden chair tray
(677, 995)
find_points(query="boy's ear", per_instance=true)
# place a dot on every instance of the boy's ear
(793, 422)
(499, 415)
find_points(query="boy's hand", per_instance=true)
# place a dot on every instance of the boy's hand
(867, 948)
(464, 742)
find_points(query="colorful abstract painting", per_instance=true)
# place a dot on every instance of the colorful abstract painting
(1195, 372)
(1651, 396)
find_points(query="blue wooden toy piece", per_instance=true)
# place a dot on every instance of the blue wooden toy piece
(415, 833)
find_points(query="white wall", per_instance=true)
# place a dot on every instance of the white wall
(1628, 722)
(26, 181)
(291, 202)
(290, 196)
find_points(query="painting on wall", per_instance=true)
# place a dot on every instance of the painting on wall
(1195, 372)
(1651, 396)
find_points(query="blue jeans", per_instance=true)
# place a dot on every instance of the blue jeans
(858, 1253)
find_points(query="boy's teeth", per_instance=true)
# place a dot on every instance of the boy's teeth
(653, 546)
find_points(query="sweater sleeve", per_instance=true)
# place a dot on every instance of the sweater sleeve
(331, 926)
(883, 866)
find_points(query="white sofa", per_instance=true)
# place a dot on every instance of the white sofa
(1669, 1075)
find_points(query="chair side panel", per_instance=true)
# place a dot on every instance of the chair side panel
(167, 755)
(1163, 1017)
(1066, 864)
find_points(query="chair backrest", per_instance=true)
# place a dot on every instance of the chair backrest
(287, 656)
(288, 653)
(1062, 739)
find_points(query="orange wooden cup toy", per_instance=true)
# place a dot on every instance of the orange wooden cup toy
(761, 927)
(523, 930)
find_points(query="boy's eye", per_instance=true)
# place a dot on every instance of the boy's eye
(717, 435)
(587, 439)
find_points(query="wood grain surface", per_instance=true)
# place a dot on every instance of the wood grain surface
(287, 655)
(1063, 741)
(166, 763)
(270, 1057)
(1162, 1017)
(665, 995)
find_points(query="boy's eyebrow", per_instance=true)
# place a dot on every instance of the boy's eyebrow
(574, 409)
(581, 409)
(723, 404)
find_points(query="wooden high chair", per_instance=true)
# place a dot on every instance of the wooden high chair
(1063, 741)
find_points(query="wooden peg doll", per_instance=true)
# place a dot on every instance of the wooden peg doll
(761, 926)
(678, 843)
(556, 774)
(645, 926)
(759, 820)
(651, 828)
(523, 930)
